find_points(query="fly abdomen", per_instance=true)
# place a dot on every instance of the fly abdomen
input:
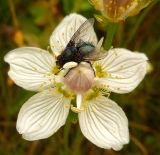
(86, 48)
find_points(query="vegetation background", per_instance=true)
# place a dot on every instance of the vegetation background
(30, 23)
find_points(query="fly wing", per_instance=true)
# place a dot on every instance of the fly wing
(82, 32)
(97, 54)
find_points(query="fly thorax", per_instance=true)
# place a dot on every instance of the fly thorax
(69, 53)
(80, 79)
(66, 56)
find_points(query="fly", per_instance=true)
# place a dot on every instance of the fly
(77, 50)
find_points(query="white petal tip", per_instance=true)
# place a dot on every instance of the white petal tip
(8, 57)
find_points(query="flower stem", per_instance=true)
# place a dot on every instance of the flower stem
(139, 22)
(111, 30)
(13, 13)
(66, 137)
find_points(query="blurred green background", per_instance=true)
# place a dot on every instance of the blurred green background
(30, 23)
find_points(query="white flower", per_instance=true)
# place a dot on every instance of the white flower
(101, 120)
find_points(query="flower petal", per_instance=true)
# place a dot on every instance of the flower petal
(42, 115)
(65, 30)
(104, 123)
(30, 67)
(124, 70)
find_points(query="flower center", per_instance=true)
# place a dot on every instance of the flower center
(100, 72)
(82, 100)
(61, 89)
(80, 79)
